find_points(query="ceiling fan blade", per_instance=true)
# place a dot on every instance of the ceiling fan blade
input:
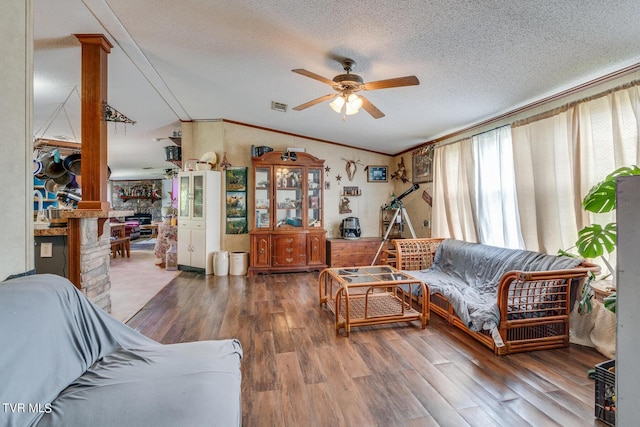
(314, 76)
(314, 102)
(370, 108)
(389, 83)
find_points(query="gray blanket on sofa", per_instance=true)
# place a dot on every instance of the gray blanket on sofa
(468, 274)
(65, 362)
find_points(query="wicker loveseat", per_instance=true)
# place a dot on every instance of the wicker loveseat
(506, 304)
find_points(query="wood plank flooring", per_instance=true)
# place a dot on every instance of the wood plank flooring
(297, 372)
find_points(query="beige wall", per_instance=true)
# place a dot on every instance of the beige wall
(16, 105)
(236, 140)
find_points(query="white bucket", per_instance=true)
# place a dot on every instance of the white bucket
(238, 263)
(221, 263)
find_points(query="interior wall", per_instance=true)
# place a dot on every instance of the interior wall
(16, 106)
(235, 140)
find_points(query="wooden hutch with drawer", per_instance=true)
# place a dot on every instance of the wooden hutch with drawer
(288, 233)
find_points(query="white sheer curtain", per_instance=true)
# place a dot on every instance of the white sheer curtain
(544, 165)
(556, 160)
(453, 186)
(559, 158)
(497, 216)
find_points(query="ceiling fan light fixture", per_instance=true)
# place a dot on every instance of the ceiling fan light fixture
(346, 84)
(354, 103)
(350, 111)
(337, 104)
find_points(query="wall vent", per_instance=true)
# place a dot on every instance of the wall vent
(279, 106)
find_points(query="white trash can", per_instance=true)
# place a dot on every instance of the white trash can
(238, 263)
(221, 263)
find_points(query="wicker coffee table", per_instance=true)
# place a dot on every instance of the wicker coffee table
(371, 295)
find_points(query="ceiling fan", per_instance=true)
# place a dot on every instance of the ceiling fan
(346, 85)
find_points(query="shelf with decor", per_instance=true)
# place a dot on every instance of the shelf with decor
(288, 233)
(154, 198)
(137, 190)
(351, 191)
(173, 153)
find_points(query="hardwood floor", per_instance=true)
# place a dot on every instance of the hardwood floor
(297, 372)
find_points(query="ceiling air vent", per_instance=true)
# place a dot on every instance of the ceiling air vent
(279, 106)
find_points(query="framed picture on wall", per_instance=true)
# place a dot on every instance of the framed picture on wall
(236, 204)
(423, 164)
(377, 173)
(236, 226)
(236, 178)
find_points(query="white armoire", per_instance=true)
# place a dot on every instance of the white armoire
(198, 218)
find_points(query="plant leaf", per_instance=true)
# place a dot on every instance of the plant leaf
(611, 302)
(602, 196)
(624, 171)
(593, 240)
(584, 305)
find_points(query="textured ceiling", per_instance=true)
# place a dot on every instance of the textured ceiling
(203, 59)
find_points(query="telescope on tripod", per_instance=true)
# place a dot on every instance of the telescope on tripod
(402, 213)
(403, 195)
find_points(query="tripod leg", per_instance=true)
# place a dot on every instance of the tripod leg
(406, 217)
(386, 235)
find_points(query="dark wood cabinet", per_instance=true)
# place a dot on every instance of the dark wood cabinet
(288, 233)
(316, 248)
(289, 250)
(260, 251)
(351, 253)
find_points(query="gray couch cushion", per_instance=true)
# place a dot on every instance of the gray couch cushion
(193, 384)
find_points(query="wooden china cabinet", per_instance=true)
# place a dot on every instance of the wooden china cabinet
(288, 232)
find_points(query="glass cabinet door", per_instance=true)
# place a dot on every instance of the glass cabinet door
(263, 197)
(289, 194)
(315, 203)
(183, 203)
(198, 197)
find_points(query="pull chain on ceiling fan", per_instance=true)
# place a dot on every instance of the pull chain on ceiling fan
(347, 85)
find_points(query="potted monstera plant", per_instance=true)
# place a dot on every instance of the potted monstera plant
(595, 240)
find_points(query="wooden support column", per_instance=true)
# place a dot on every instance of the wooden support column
(73, 242)
(95, 48)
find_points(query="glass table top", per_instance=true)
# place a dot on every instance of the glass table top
(380, 273)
